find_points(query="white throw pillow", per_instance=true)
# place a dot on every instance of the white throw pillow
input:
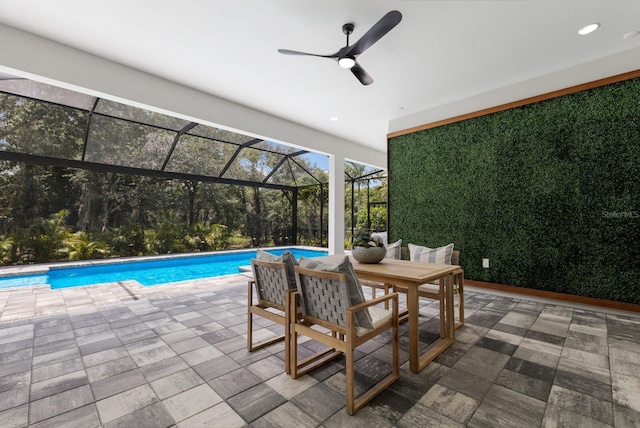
(431, 255)
(382, 235)
(394, 251)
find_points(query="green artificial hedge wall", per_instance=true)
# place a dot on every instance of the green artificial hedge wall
(549, 192)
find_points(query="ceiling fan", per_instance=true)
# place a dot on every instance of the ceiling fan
(347, 55)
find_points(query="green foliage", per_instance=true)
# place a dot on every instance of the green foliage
(366, 240)
(42, 238)
(52, 233)
(80, 246)
(309, 220)
(237, 241)
(167, 239)
(218, 237)
(127, 240)
(206, 238)
(359, 193)
(6, 250)
(377, 218)
(548, 192)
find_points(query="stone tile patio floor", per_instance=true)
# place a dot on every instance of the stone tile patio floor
(123, 355)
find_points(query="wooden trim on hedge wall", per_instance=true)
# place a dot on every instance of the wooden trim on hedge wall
(554, 295)
(520, 103)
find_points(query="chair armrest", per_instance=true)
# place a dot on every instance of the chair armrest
(373, 302)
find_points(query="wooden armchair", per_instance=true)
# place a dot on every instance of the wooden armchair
(273, 293)
(324, 299)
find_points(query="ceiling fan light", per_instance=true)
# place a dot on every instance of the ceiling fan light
(347, 61)
(588, 29)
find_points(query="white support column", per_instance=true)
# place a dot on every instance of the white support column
(336, 204)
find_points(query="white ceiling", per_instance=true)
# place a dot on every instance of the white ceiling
(442, 56)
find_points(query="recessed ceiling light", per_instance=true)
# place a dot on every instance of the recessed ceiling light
(631, 35)
(588, 29)
(334, 118)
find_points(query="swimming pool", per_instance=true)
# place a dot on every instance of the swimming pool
(148, 272)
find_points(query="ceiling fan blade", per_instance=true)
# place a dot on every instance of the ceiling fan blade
(290, 52)
(375, 33)
(361, 75)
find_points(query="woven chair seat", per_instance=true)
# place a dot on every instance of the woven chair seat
(379, 316)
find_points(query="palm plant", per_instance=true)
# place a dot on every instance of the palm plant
(79, 246)
(53, 232)
(218, 237)
(6, 250)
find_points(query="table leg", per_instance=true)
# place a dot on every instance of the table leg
(450, 317)
(460, 276)
(447, 323)
(443, 297)
(414, 334)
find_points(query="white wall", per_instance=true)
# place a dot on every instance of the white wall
(40, 59)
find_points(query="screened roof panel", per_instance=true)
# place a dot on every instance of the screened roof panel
(196, 155)
(32, 127)
(44, 92)
(68, 128)
(274, 147)
(305, 176)
(317, 160)
(355, 171)
(219, 134)
(283, 175)
(310, 168)
(135, 114)
(118, 142)
(252, 164)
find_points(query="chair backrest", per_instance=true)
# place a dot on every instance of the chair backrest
(271, 282)
(323, 295)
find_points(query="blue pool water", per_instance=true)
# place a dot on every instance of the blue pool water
(150, 272)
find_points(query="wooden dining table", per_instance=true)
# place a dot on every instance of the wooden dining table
(411, 275)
